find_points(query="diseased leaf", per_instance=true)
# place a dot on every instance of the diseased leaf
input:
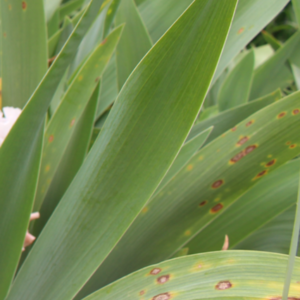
(228, 275)
(231, 117)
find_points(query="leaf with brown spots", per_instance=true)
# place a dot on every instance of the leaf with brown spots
(223, 275)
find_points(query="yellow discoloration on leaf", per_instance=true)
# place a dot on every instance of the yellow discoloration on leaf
(145, 210)
(187, 233)
(189, 167)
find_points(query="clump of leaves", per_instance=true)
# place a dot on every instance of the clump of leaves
(131, 174)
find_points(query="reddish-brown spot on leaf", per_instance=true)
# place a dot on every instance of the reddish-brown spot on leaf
(245, 152)
(164, 296)
(217, 184)
(224, 285)
(241, 30)
(97, 79)
(293, 146)
(163, 279)
(249, 149)
(4, 34)
(203, 203)
(243, 140)
(51, 138)
(216, 208)
(262, 173)
(271, 163)
(155, 271)
(72, 122)
(24, 5)
(249, 123)
(142, 293)
(234, 129)
(237, 157)
(104, 42)
(281, 115)
(9, 7)
(296, 111)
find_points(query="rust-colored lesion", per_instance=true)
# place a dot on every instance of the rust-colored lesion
(241, 30)
(224, 285)
(155, 271)
(242, 154)
(217, 208)
(217, 183)
(243, 140)
(281, 115)
(203, 203)
(163, 279)
(271, 163)
(296, 111)
(24, 5)
(51, 138)
(249, 123)
(164, 296)
(261, 174)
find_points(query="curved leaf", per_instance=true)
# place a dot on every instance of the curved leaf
(228, 275)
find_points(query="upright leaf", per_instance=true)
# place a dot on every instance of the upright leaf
(274, 73)
(134, 43)
(236, 87)
(24, 50)
(104, 198)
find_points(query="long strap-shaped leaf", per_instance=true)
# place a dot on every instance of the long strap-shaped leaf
(138, 143)
(228, 275)
(19, 157)
(211, 181)
(61, 125)
(24, 50)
